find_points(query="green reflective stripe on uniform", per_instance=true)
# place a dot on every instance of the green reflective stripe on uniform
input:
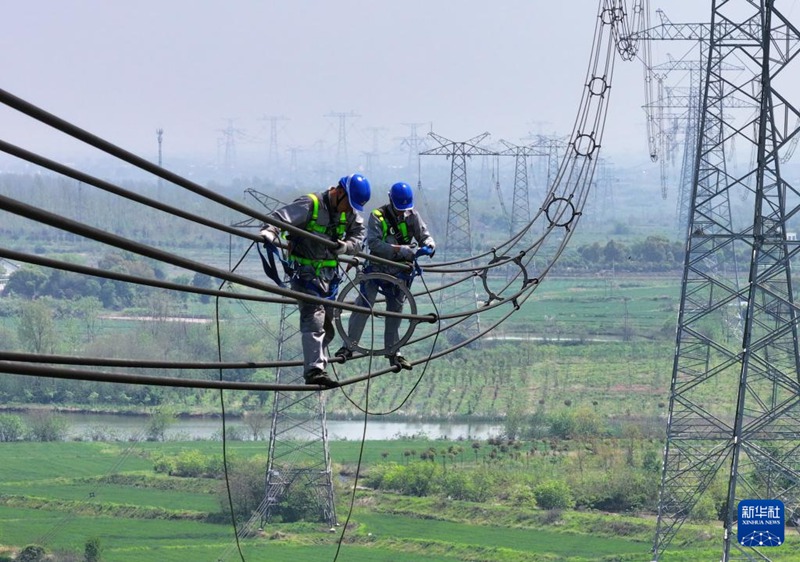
(316, 264)
(401, 226)
(384, 227)
(403, 230)
(312, 226)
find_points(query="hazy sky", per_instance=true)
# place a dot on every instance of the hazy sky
(193, 67)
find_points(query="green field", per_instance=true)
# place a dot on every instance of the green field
(588, 348)
(60, 495)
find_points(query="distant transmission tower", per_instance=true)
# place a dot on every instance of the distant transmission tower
(415, 145)
(520, 201)
(273, 155)
(751, 439)
(374, 155)
(341, 147)
(229, 134)
(293, 166)
(299, 456)
(675, 111)
(458, 236)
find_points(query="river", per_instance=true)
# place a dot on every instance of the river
(126, 427)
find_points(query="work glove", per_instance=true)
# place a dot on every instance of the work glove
(341, 248)
(426, 251)
(405, 253)
(271, 236)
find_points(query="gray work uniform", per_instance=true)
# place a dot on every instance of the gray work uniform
(384, 234)
(315, 267)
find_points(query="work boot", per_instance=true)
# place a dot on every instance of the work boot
(344, 353)
(319, 377)
(398, 360)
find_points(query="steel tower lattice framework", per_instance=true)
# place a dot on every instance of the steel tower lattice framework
(415, 144)
(751, 438)
(298, 453)
(458, 234)
(273, 155)
(677, 111)
(520, 200)
(341, 145)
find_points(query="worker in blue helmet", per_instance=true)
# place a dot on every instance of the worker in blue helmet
(331, 215)
(395, 232)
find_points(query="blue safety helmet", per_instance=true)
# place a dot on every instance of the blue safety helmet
(402, 196)
(357, 188)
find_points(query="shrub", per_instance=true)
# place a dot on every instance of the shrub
(31, 553)
(92, 550)
(246, 485)
(376, 476)
(704, 510)
(11, 427)
(553, 494)
(190, 463)
(160, 420)
(46, 426)
(624, 490)
(460, 485)
(521, 495)
(415, 479)
(299, 503)
(164, 464)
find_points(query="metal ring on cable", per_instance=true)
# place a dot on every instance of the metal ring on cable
(584, 144)
(561, 206)
(598, 85)
(505, 258)
(353, 285)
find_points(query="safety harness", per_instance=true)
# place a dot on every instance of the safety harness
(312, 226)
(290, 264)
(389, 225)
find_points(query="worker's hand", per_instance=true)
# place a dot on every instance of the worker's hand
(271, 236)
(341, 248)
(405, 253)
(426, 251)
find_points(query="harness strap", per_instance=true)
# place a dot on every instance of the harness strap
(313, 226)
(268, 263)
(389, 224)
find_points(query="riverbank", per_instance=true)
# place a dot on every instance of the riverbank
(84, 425)
(212, 414)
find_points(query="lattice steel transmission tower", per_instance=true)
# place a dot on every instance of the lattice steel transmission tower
(458, 234)
(750, 437)
(676, 110)
(273, 154)
(373, 156)
(520, 201)
(228, 143)
(298, 439)
(415, 145)
(342, 164)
